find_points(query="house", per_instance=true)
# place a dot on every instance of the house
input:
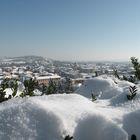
(45, 79)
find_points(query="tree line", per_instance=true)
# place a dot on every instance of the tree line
(64, 86)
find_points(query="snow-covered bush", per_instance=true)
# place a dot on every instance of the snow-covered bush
(30, 86)
(93, 97)
(136, 66)
(2, 96)
(101, 86)
(97, 127)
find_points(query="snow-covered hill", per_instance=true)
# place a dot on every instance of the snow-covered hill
(110, 117)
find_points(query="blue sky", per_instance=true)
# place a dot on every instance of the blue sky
(70, 29)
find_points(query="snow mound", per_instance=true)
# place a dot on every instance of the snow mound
(104, 87)
(131, 123)
(124, 84)
(100, 86)
(121, 98)
(26, 120)
(53, 117)
(69, 108)
(99, 128)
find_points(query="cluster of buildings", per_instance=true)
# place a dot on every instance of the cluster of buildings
(22, 73)
(43, 70)
(82, 71)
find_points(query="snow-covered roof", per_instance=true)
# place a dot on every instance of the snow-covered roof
(48, 77)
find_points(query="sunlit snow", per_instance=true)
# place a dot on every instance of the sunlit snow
(110, 117)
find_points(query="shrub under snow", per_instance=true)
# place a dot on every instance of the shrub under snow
(97, 127)
(105, 87)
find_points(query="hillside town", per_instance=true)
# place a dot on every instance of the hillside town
(43, 69)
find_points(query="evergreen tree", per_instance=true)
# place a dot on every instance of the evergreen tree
(94, 97)
(131, 79)
(14, 87)
(136, 66)
(116, 74)
(51, 89)
(44, 89)
(30, 86)
(5, 84)
(125, 78)
(68, 86)
(2, 96)
(133, 92)
(96, 74)
(60, 87)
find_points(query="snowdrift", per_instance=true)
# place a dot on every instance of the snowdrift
(25, 120)
(103, 87)
(99, 128)
(53, 117)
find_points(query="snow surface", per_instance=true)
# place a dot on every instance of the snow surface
(22, 119)
(110, 117)
(52, 118)
(104, 87)
(113, 103)
(131, 123)
(100, 128)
